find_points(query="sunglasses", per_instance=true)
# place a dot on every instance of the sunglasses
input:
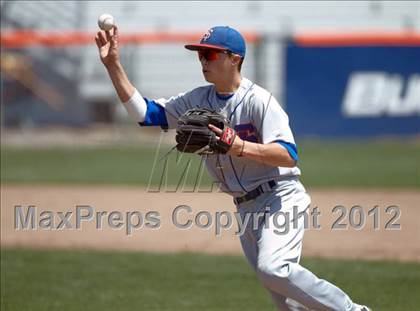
(210, 55)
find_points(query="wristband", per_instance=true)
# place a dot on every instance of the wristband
(241, 154)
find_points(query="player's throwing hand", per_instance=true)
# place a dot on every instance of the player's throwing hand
(107, 42)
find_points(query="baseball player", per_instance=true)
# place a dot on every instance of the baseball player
(259, 170)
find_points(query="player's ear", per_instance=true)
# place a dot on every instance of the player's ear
(235, 59)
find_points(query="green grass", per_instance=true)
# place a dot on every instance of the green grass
(369, 164)
(387, 164)
(119, 165)
(90, 280)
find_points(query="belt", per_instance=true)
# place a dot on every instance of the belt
(253, 193)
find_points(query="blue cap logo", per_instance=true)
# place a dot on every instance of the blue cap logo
(221, 38)
(207, 35)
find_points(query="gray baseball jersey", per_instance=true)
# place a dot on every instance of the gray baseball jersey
(255, 115)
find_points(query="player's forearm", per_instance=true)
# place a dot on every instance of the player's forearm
(119, 79)
(130, 98)
(271, 154)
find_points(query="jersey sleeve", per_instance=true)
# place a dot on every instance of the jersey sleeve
(291, 149)
(155, 115)
(271, 121)
(165, 112)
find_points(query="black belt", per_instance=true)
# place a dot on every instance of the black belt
(253, 193)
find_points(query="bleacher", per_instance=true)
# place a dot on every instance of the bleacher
(164, 69)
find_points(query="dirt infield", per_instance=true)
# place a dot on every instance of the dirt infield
(368, 242)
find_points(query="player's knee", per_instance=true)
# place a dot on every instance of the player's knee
(275, 276)
(267, 269)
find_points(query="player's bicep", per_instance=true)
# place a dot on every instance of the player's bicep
(271, 121)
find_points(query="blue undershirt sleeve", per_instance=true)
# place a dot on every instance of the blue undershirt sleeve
(291, 149)
(155, 115)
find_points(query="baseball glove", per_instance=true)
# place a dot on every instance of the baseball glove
(194, 136)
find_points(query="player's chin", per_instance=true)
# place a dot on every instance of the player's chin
(207, 75)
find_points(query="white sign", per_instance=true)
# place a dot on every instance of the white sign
(372, 94)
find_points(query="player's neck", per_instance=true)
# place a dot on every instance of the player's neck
(230, 86)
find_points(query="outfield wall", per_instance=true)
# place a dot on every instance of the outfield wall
(354, 85)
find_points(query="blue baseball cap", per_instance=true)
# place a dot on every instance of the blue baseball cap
(221, 38)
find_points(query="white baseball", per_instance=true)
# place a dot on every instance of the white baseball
(106, 22)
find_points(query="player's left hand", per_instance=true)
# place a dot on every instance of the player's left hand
(237, 145)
